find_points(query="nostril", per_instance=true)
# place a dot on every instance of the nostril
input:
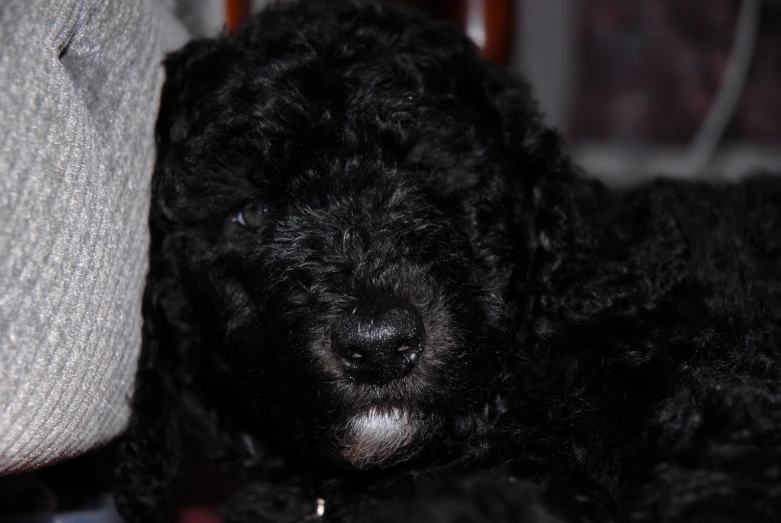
(355, 354)
(348, 351)
(408, 345)
(378, 344)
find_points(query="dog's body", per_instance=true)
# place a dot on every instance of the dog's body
(373, 266)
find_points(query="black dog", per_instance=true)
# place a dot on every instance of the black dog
(372, 265)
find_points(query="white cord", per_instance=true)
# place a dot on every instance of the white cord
(710, 132)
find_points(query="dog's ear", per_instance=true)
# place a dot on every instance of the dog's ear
(548, 187)
(149, 452)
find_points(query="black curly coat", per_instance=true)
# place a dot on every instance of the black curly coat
(582, 354)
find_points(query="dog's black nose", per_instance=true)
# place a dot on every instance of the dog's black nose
(379, 344)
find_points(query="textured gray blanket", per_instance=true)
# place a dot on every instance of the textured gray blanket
(79, 85)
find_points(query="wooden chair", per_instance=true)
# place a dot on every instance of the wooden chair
(489, 23)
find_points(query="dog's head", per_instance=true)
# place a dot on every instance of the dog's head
(338, 221)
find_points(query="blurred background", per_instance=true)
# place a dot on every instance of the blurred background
(684, 88)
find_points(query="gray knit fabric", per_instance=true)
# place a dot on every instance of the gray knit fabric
(79, 88)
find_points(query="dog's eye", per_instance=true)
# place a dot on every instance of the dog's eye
(253, 215)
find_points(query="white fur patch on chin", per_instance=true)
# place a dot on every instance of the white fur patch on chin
(373, 437)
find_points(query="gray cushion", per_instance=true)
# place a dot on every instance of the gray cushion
(79, 87)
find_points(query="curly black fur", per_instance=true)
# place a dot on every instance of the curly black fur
(587, 354)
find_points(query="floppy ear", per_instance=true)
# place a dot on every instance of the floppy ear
(562, 214)
(150, 451)
(169, 406)
(549, 189)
